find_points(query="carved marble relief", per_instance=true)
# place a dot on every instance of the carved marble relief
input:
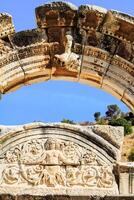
(90, 176)
(53, 163)
(68, 59)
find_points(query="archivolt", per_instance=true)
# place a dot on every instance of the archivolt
(87, 44)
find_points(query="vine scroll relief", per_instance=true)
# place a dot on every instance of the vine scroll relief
(53, 163)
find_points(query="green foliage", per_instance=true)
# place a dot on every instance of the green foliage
(114, 116)
(132, 121)
(67, 121)
(131, 155)
(97, 116)
(113, 112)
(122, 122)
(130, 117)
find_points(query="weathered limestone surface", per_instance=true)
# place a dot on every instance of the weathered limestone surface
(59, 159)
(87, 44)
(126, 177)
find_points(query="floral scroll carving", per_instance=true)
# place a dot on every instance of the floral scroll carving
(45, 152)
(53, 163)
(90, 176)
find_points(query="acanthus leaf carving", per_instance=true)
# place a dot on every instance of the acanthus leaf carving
(90, 176)
(51, 152)
(45, 152)
(53, 176)
(10, 175)
(53, 163)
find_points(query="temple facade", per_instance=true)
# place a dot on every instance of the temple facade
(58, 161)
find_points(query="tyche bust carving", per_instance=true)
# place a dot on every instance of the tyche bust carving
(68, 59)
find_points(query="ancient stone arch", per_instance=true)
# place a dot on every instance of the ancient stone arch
(87, 44)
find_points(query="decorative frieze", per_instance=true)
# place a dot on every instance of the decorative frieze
(51, 158)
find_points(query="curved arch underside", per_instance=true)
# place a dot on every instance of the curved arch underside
(87, 44)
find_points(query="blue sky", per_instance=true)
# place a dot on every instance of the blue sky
(54, 100)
